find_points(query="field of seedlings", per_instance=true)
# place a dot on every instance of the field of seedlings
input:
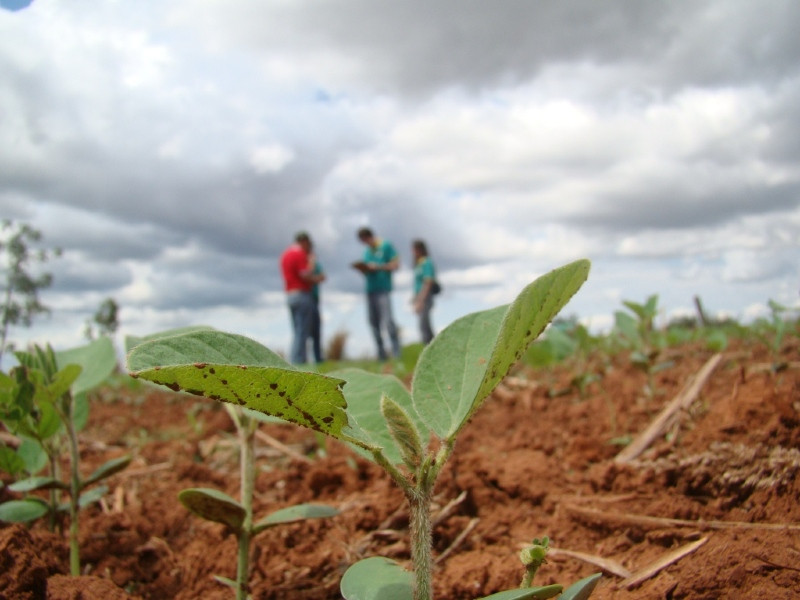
(667, 459)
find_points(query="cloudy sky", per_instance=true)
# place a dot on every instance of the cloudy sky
(173, 147)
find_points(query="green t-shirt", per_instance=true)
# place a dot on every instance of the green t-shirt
(383, 253)
(423, 270)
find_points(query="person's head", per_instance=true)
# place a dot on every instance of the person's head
(303, 240)
(366, 236)
(419, 248)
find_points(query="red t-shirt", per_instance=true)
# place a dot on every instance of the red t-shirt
(293, 262)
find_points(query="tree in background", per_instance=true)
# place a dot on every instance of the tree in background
(106, 318)
(21, 284)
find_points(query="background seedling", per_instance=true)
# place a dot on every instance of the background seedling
(638, 334)
(44, 401)
(376, 414)
(215, 505)
(772, 330)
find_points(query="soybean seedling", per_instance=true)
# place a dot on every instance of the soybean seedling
(214, 505)
(638, 333)
(211, 504)
(44, 401)
(771, 332)
(376, 414)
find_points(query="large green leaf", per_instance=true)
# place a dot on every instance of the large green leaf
(98, 360)
(214, 505)
(451, 368)
(467, 360)
(581, 590)
(290, 514)
(37, 483)
(33, 454)
(307, 399)
(532, 593)
(131, 341)
(363, 392)
(23, 511)
(48, 423)
(236, 369)
(377, 578)
(60, 383)
(201, 346)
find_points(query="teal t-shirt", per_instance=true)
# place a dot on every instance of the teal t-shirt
(315, 288)
(423, 270)
(383, 253)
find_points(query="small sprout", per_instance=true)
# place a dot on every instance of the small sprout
(533, 557)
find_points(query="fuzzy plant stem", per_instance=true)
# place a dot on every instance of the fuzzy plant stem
(246, 428)
(74, 490)
(421, 542)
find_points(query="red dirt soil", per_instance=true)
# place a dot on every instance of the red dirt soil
(724, 476)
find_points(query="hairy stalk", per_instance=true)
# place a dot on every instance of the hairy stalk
(419, 499)
(421, 542)
(246, 429)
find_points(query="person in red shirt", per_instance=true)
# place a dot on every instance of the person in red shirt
(297, 269)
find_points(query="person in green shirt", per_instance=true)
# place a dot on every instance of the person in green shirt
(424, 288)
(380, 260)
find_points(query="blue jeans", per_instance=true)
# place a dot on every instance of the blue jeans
(425, 327)
(301, 308)
(316, 332)
(379, 308)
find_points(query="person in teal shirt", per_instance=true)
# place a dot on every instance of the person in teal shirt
(424, 288)
(380, 260)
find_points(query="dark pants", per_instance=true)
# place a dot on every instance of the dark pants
(425, 328)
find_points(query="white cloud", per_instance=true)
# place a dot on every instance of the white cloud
(174, 150)
(270, 159)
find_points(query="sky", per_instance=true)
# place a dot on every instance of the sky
(172, 148)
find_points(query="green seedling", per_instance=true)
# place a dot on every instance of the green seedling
(772, 331)
(44, 401)
(214, 505)
(376, 414)
(533, 557)
(638, 334)
(185, 345)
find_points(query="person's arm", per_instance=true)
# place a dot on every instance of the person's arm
(394, 259)
(424, 293)
(392, 265)
(310, 274)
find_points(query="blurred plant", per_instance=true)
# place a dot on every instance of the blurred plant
(43, 401)
(335, 350)
(637, 333)
(21, 287)
(566, 341)
(772, 330)
(106, 319)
